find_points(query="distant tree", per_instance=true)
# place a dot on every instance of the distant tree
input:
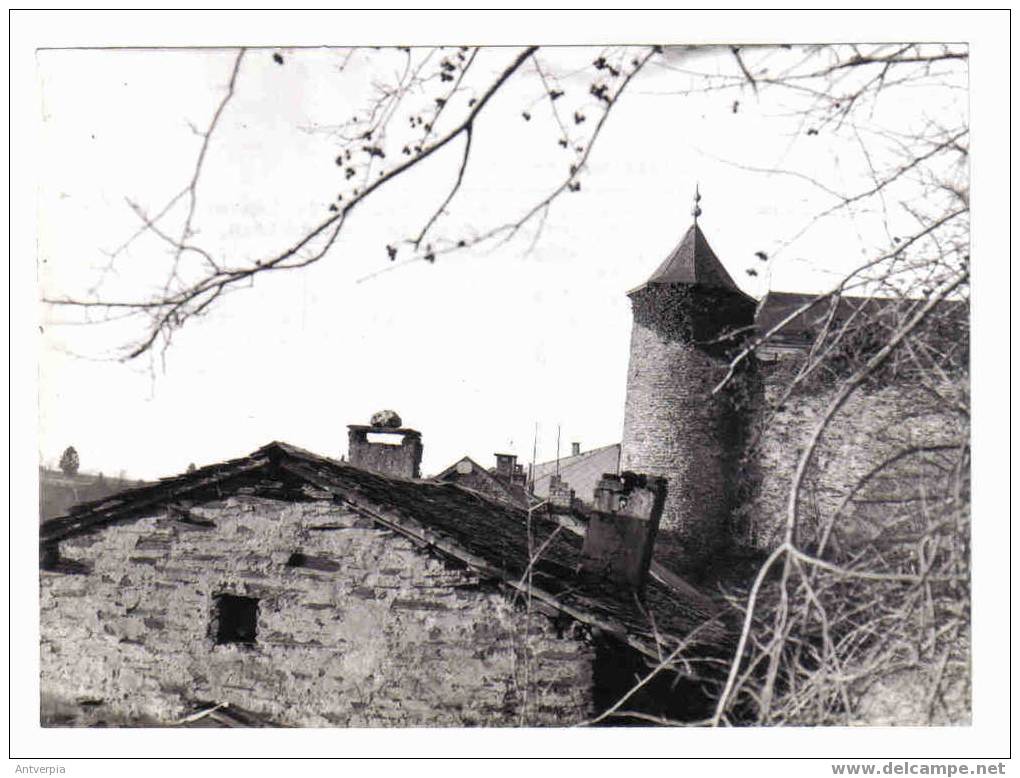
(69, 461)
(192, 468)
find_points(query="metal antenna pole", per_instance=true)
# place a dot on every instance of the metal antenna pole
(534, 460)
(557, 449)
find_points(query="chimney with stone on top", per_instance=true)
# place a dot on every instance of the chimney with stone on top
(385, 447)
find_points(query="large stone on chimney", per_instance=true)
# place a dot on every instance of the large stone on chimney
(386, 419)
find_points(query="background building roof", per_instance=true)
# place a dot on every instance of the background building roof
(581, 472)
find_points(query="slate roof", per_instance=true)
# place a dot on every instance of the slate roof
(693, 262)
(490, 536)
(871, 312)
(581, 472)
(475, 468)
(776, 306)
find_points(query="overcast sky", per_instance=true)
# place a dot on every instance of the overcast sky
(475, 350)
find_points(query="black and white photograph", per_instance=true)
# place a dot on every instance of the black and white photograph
(393, 376)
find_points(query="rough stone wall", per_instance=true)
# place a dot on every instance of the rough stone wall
(903, 697)
(873, 425)
(369, 631)
(560, 494)
(400, 458)
(675, 428)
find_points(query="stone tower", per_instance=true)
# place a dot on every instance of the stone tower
(689, 316)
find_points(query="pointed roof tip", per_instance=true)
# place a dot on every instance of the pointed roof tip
(693, 262)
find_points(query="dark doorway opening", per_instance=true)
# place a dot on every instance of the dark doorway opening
(666, 697)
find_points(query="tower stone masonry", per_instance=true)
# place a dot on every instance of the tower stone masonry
(688, 319)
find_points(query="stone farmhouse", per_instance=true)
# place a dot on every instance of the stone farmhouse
(308, 592)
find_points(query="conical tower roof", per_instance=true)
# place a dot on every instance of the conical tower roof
(693, 262)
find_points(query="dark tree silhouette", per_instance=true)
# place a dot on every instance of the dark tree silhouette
(69, 461)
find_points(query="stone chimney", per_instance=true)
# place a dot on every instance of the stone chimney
(385, 447)
(505, 465)
(560, 494)
(575, 449)
(622, 528)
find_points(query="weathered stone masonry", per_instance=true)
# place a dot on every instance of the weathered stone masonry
(360, 629)
(672, 424)
(874, 424)
(675, 426)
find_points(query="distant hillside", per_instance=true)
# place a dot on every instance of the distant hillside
(58, 492)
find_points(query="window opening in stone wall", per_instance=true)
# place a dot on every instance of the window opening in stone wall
(299, 559)
(236, 619)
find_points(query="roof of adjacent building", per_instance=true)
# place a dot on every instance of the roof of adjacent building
(515, 493)
(581, 471)
(490, 536)
(804, 324)
(808, 314)
(693, 262)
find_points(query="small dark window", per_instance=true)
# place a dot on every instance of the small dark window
(298, 559)
(236, 618)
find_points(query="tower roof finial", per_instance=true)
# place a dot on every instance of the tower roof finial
(697, 199)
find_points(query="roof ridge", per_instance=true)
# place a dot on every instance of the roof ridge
(577, 457)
